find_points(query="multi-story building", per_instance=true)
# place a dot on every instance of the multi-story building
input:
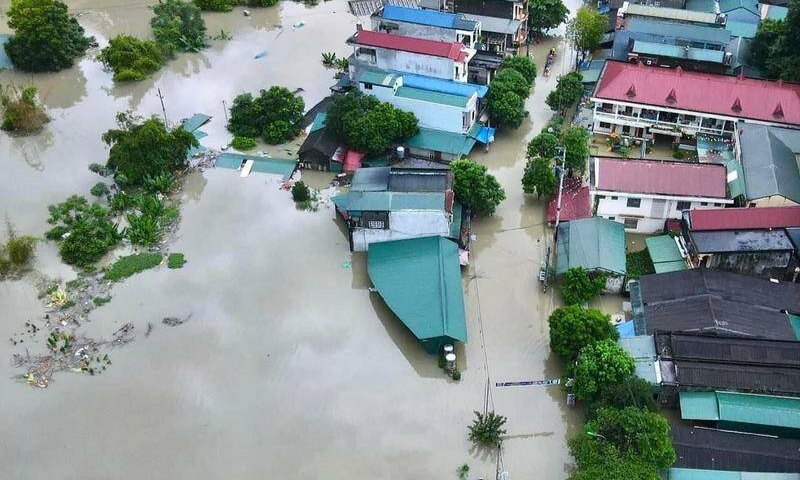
(504, 26)
(643, 102)
(427, 24)
(674, 15)
(644, 194)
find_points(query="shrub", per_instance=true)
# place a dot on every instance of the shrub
(638, 264)
(243, 143)
(487, 430)
(631, 392)
(600, 460)
(215, 5)
(568, 91)
(636, 433)
(678, 154)
(17, 252)
(574, 327)
(176, 260)
(162, 183)
(131, 58)
(178, 25)
(579, 287)
(300, 192)
(146, 227)
(274, 115)
(99, 189)
(475, 188)
(46, 38)
(100, 301)
(21, 112)
(543, 145)
(132, 264)
(85, 231)
(600, 365)
(260, 3)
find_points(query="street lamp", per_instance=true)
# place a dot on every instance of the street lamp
(596, 435)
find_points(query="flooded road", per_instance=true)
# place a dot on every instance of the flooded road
(288, 366)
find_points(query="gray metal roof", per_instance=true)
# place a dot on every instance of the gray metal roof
(496, 25)
(416, 181)
(374, 179)
(725, 241)
(769, 161)
(679, 30)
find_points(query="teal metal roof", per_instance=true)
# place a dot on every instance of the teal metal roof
(737, 407)
(455, 225)
(592, 243)
(726, 6)
(697, 474)
(319, 122)
(643, 350)
(677, 51)
(5, 61)
(378, 78)
(665, 254)
(432, 97)
(195, 121)
(388, 201)
(278, 166)
(742, 29)
(735, 178)
(440, 141)
(420, 281)
(708, 6)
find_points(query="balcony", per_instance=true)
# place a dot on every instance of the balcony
(648, 119)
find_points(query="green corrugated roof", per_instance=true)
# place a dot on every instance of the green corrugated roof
(440, 141)
(735, 178)
(665, 254)
(742, 29)
(666, 267)
(420, 281)
(794, 320)
(699, 406)
(388, 201)
(759, 409)
(455, 225)
(677, 51)
(432, 97)
(697, 474)
(592, 243)
(378, 78)
(319, 122)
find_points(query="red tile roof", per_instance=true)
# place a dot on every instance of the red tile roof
(575, 202)
(744, 218)
(452, 51)
(664, 178)
(701, 92)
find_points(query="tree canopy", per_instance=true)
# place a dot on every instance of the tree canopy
(600, 460)
(227, 5)
(631, 392)
(576, 143)
(522, 65)
(568, 91)
(131, 58)
(141, 149)
(476, 189)
(586, 30)
(509, 89)
(636, 433)
(46, 38)
(574, 327)
(506, 108)
(578, 286)
(275, 115)
(509, 79)
(91, 232)
(543, 145)
(774, 49)
(178, 26)
(546, 14)
(366, 124)
(539, 177)
(600, 365)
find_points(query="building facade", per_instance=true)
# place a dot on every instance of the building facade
(427, 24)
(504, 23)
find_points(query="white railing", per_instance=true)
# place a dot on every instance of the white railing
(637, 121)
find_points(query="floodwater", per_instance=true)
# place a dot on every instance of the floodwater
(288, 366)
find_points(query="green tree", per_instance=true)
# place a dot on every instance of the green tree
(544, 15)
(366, 124)
(215, 5)
(275, 115)
(476, 189)
(510, 80)
(568, 91)
(131, 58)
(631, 392)
(637, 433)
(600, 460)
(507, 109)
(85, 231)
(586, 30)
(145, 148)
(638, 264)
(543, 145)
(774, 48)
(574, 327)
(576, 145)
(522, 65)
(46, 38)
(487, 430)
(600, 365)
(539, 177)
(301, 192)
(178, 26)
(578, 286)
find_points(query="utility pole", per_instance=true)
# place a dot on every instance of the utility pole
(560, 185)
(163, 109)
(225, 110)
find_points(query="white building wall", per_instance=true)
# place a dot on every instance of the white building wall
(651, 214)
(404, 224)
(438, 67)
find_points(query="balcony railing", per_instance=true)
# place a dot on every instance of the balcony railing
(646, 120)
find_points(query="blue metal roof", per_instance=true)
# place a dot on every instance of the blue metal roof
(427, 17)
(443, 86)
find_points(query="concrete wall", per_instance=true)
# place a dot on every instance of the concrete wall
(405, 224)
(427, 32)
(437, 67)
(430, 154)
(650, 217)
(773, 201)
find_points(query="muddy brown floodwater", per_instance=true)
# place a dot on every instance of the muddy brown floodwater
(289, 367)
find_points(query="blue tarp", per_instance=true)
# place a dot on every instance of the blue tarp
(626, 330)
(5, 62)
(485, 135)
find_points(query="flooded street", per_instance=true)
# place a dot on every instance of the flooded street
(288, 367)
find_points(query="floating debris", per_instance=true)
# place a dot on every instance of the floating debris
(175, 321)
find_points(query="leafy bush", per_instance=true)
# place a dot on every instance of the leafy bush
(600, 365)
(568, 91)
(21, 112)
(487, 430)
(329, 59)
(46, 38)
(600, 460)
(574, 327)
(543, 145)
(243, 143)
(100, 301)
(120, 202)
(17, 252)
(99, 189)
(176, 260)
(579, 287)
(476, 189)
(215, 5)
(638, 264)
(367, 125)
(85, 231)
(678, 154)
(274, 115)
(132, 264)
(161, 183)
(146, 227)
(178, 25)
(260, 3)
(145, 148)
(99, 169)
(539, 177)
(300, 192)
(523, 65)
(131, 58)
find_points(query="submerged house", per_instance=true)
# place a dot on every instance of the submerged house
(595, 244)
(420, 281)
(390, 203)
(321, 150)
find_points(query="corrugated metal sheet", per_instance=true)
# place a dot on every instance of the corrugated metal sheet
(661, 178)
(378, 78)
(319, 122)
(730, 241)
(697, 474)
(670, 13)
(768, 159)
(420, 281)
(421, 46)
(441, 85)
(744, 218)
(699, 406)
(595, 244)
(427, 17)
(759, 409)
(440, 141)
(432, 97)
(642, 349)
(664, 250)
(677, 51)
(195, 121)
(276, 166)
(742, 29)
(388, 201)
(503, 26)
(455, 225)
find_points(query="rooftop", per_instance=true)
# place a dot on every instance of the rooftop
(769, 160)
(747, 408)
(453, 51)
(432, 97)
(726, 6)
(596, 244)
(434, 18)
(677, 51)
(576, 202)
(664, 253)
(660, 177)
(708, 347)
(384, 201)
(441, 141)
(677, 31)
(504, 26)
(730, 241)
(743, 218)
(770, 101)
(444, 86)
(668, 13)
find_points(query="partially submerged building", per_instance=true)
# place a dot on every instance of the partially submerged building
(420, 281)
(595, 244)
(644, 194)
(427, 24)
(504, 26)
(321, 150)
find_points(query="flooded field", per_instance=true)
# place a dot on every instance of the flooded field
(288, 366)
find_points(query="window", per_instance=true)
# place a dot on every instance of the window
(600, 197)
(705, 204)
(634, 202)
(631, 223)
(605, 125)
(614, 198)
(683, 206)
(367, 86)
(612, 218)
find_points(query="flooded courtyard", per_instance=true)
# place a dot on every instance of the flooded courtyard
(288, 366)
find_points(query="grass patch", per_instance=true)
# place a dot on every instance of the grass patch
(132, 264)
(176, 260)
(100, 301)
